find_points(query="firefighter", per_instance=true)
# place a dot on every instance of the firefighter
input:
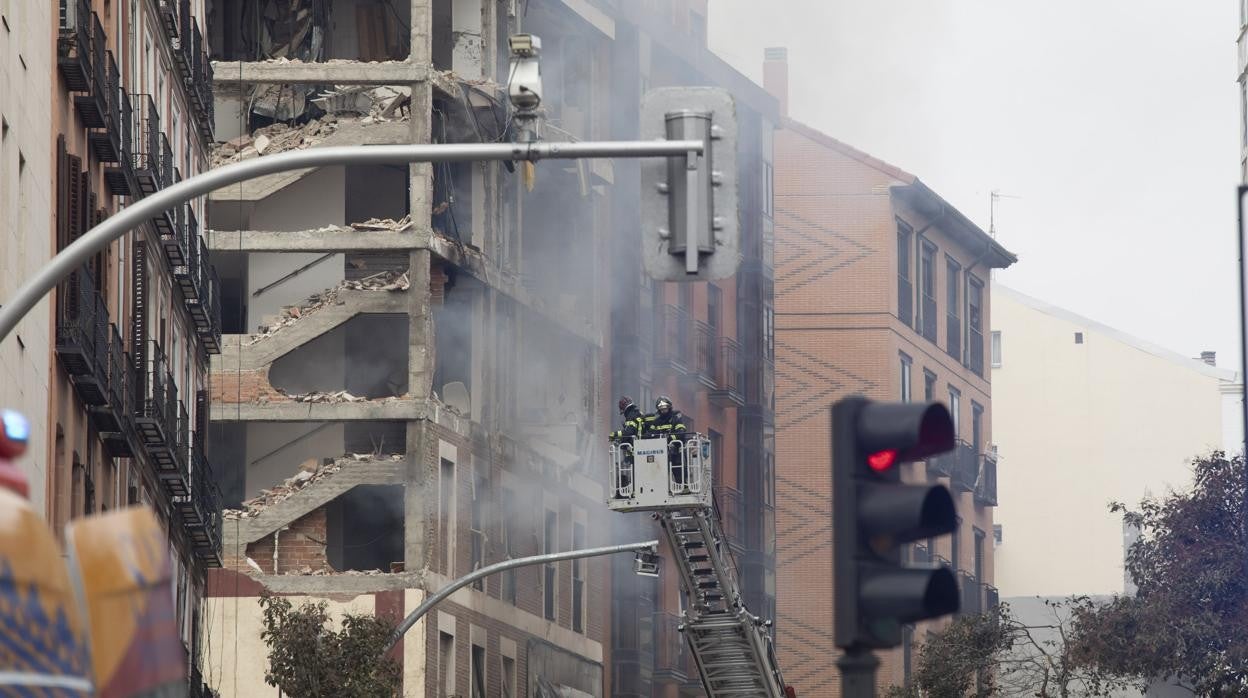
(628, 432)
(669, 422)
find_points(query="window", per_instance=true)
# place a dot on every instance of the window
(1078, 338)
(905, 289)
(974, 324)
(446, 517)
(906, 363)
(929, 385)
(979, 554)
(714, 307)
(550, 536)
(927, 284)
(977, 427)
(769, 332)
(478, 671)
(509, 677)
(717, 447)
(578, 580)
(953, 311)
(507, 579)
(446, 662)
(996, 349)
(955, 410)
(955, 548)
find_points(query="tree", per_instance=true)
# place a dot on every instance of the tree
(1189, 617)
(996, 654)
(307, 659)
(967, 649)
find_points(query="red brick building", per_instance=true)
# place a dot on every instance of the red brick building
(881, 290)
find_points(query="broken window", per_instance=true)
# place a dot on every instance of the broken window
(478, 672)
(455, 356)
(309, 30)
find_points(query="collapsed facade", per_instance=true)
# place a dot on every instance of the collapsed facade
(419, 365)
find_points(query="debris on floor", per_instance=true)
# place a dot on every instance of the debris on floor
(310, 471)
(381, 281)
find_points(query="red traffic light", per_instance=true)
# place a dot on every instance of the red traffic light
(882, 460)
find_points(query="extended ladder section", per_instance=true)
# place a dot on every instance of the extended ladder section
(731, 647)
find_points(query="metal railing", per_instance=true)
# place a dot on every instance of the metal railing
(729, 386)
(927, 312)
(975, 352)
(920, 554)
(169, 17)
(986, 483)
(82, 328)
(965, 467)
(972, 594)
(152, 397)
(905, 301)
(201, 509)
(73, 46)
(146, 153)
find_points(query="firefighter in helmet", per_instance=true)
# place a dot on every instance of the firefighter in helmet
(667, 421)
(626, 434)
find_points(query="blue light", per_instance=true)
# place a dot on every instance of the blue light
(16, 428)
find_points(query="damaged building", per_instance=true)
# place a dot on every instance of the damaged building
(420, 362)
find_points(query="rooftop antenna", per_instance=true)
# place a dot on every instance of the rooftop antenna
(992, 210)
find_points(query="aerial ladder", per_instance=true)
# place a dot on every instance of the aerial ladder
(671, 477)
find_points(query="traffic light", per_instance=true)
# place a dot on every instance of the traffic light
(874, 514)
(689, 218)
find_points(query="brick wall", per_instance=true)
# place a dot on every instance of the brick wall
(837, 333)
(234, 387)
(301, 545)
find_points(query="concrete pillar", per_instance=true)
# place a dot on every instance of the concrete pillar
(419, 497)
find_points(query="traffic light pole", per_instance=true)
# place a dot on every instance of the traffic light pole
(129, 218)
(858, 667)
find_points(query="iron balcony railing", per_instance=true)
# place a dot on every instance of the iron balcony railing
(671, 662)
(114, 419)
(953, 336)
(165, 220)
(992, 598)
(920, 555)
(905, 301)
(185, 21)
(671, 339)
(147, 135)
(986, 484)
(965, 467)
(975, 352)
(186, 272)
(73, 46)
(705, 356)
(92, 103)
(942, 464)
(169, 18)
(155, 399)
(105, 136)
(927, 312)
(176, 241)
(729, 389)
(200, 508)
(204, 305)
(82, 335)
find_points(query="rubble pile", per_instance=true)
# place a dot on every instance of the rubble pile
(343, 106)
(326, 570)
(381, 281)
(402, 225)
(309, 472)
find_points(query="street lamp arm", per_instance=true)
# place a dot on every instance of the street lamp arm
(131, 217)
(464, 581)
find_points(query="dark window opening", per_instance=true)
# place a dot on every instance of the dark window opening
(929, 386)
(927, 285)
(454, 351)
(550, 544)
(480, 501)
(364, 528)
(253, 30)
(1078, 338)
(478, 672)
(953, 312)
(905, 288)
(377, 347)
(446, 517)
(578, 580)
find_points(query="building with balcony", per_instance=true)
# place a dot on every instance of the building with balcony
(27, 59)
(708, 346)
(132, 329)
(1071, 398)
(881, 290)
(420, 364)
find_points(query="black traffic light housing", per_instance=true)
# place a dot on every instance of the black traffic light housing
(874, 514)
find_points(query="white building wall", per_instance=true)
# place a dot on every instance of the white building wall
(1080, 426)
(26, 79)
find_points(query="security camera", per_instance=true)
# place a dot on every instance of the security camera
(524, 86)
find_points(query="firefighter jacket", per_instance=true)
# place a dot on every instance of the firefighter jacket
(672, 425)
(632, 427)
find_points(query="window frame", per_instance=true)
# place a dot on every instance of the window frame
(994, 349)
(907, 369)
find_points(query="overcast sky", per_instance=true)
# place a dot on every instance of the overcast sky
(1115, 121)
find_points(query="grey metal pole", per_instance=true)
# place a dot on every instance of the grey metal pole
(449, 589)
(858, 667)
(131, 217)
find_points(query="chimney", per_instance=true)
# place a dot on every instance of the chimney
(1209, 357)
(776, 76)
